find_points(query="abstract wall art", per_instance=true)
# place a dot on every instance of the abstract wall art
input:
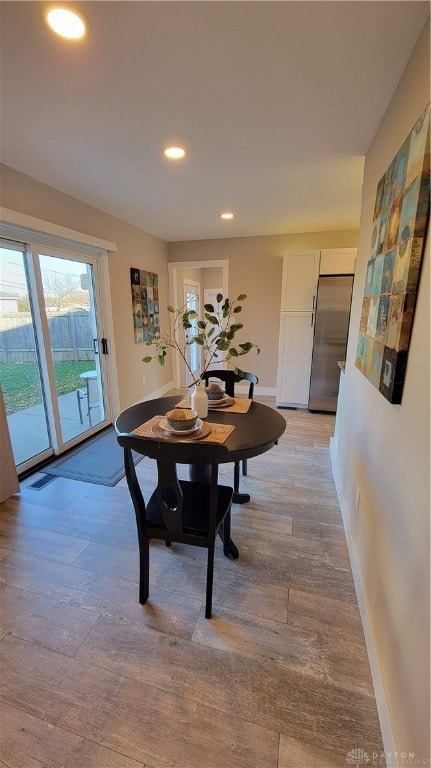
(145, 305)
(400, 222)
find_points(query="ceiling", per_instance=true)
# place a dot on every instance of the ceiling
(276, 102)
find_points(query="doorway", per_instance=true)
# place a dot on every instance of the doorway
(52, 366)
(208, 275)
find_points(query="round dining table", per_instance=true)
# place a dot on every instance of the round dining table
(256, 432)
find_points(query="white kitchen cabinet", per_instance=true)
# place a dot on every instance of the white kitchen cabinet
(337, 261)
(300, 276)
(294, 366)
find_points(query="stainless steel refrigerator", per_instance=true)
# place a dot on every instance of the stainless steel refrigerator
(334, 295)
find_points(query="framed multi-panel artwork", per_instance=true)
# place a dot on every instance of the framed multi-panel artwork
(145, 304)
(401, 215)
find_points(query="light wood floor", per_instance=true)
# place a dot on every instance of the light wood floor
(279, 678)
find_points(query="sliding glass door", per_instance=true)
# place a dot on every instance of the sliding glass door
(73, 344)
(52, 369)
(20, 369)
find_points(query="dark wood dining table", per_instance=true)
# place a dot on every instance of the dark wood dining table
(256, 432)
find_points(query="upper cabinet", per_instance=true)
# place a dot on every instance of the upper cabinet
(301, 273)
(337, 261)
(300, 276)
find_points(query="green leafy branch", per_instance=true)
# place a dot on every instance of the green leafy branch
(216, 332)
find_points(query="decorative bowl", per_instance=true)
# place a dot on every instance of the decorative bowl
(214, 392)
(181, 419)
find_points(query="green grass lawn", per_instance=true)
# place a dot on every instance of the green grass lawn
(21, 387)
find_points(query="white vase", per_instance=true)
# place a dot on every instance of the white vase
(199, 401)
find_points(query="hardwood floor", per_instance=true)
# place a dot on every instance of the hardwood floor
(278, 678)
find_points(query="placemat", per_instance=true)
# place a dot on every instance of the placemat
(241, 405)
(219, 432)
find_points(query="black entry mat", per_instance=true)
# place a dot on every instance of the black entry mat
(100, 461)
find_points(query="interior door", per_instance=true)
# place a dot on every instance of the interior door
(210, 295)
(52, 370)
(193, 351)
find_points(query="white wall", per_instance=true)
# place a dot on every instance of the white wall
(385, 450)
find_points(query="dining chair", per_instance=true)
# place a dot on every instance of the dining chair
(230, 378)
(180, 511)
(91, 394)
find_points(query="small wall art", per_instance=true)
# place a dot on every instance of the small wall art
(145, 305)
(401, 214)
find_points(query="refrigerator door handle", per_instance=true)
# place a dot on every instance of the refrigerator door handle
(314, 301)
(312, 319)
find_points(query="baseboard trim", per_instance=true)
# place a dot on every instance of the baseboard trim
(382, 707)
(269, 391)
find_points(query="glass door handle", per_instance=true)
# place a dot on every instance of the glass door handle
(96, 346)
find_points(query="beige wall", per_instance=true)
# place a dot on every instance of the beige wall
(212, 277)
(255, 268)
(136, 248)
(384, 449)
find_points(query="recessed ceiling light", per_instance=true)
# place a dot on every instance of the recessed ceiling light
(227, 215)
(174, 153)
(66, 21)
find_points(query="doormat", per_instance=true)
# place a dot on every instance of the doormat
(99, 460)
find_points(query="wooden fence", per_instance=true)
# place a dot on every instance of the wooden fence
(70, 334)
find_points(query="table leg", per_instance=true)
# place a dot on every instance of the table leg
(201, 473)
(241, 498)
(238, 498)
(231, 549)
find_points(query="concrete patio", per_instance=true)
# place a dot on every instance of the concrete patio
(28, 428)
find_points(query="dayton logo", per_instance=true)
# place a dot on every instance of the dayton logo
(357, 757)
